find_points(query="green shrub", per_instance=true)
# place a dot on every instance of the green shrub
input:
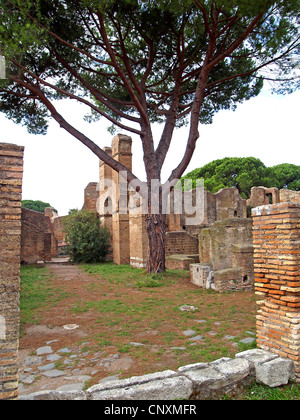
(88, 241)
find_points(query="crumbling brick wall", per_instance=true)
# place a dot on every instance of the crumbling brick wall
(11, 172)
(276, 235)
(37, 239)
(91, 195)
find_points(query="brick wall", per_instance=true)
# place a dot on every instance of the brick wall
(91, 195)
(181, 243)
(276, 237)
(37, 239)
(11, 171)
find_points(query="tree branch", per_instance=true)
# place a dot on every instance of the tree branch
(117, 166)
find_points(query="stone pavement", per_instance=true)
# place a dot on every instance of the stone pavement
(191, 382)
(52, 367)
(66, 369)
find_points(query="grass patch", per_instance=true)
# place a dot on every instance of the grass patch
(125, 274)
(106, 305)
(36, 291)
(259, 392)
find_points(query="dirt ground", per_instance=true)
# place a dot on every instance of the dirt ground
(111, 328)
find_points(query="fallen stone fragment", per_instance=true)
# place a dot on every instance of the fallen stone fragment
(188, 308)
(268, 368)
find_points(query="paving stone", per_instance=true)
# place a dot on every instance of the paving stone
(189, 333)
(64, 350)
(29, 379)
(50, 366)
(196, 338)
(53, 357)
(248, 340)
(178, 348)
(71, 387)
(55, 373)
(33, 360)
(44, 350)
(109, 379)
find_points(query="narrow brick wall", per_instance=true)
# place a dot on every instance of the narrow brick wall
(11, 171)
(276, 235)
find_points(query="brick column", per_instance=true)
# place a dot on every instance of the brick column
(121, 152)
(276, 237)
(11, 171)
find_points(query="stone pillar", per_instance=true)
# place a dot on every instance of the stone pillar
(121, 152)
(105, 177)
(276, 237)
(138, 238)
(11, 173)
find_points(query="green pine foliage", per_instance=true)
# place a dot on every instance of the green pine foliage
(35, 205)
(245, 173)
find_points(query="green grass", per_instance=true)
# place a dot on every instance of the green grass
(130, 276)
(259, 392)
(149, 306)
(36, 291)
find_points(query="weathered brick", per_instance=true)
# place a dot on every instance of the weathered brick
(11, 169)
(277, 259)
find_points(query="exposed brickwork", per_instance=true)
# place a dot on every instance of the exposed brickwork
(181, 243)
(276, 237)
(11, 171)
(91, 194)
(37, 240)
(121, 152)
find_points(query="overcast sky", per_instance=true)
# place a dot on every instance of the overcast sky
(57, 167)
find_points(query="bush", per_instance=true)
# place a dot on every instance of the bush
(88, 241)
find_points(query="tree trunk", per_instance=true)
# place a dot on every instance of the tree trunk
(156, 230)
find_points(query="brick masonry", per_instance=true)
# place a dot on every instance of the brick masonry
(276, 238)
(11, 172)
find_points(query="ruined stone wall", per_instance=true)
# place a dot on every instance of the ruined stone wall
(226, 256)
(91, 194)
(58, 229)
(276, 234)
(289, 196)
(181, 243)
(226, 203)
(121, 152)
(37, 239)
(11, 171)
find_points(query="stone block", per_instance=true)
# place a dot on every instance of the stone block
(166, 385)
(217, 374)
(275, 372)
(201, 275)
(268, 368)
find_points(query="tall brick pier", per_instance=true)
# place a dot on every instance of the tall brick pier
(276, 236)
(11, 173)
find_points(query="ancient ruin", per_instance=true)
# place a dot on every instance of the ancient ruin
(225, 250)
(216, 246)
(11, 175)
